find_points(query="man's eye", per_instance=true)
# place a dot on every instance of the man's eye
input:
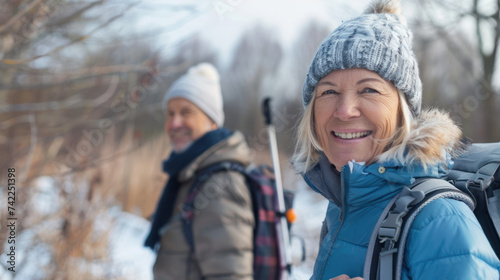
(369, 90)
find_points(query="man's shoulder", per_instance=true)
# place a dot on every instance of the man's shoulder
(227, 178)
(225, 190)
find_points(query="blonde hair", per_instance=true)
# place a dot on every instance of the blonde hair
(402, 135)
(307, 145)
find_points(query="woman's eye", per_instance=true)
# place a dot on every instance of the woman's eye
(369, 90)
(330, 91)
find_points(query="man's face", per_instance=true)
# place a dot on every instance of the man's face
(185, 123)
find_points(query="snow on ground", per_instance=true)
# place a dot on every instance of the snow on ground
(29, 259)
(127, 253)
(129, 259)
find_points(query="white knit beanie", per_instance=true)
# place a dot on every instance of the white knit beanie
(201, 86)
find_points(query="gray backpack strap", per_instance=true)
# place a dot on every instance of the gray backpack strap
(481, 179)
(393, 230)
(447, 190)
(374, 241)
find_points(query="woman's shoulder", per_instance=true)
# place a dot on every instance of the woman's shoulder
(451, 226)
(443, 212)
(446, 239)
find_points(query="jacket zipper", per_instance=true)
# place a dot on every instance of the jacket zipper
(342, 195)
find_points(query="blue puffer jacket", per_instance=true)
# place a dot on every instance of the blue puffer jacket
(445, 240)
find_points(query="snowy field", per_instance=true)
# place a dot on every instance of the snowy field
(128, 259)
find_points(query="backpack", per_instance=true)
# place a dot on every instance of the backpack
(474, 179)
(268, 263)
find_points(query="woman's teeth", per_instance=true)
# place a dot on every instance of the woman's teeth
(351, 135)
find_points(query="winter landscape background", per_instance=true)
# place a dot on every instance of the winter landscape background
(126, 258)
(81, 83)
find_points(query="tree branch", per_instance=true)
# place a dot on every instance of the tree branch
(74, 15)
(72, 42)
(69, 103)
(93, 72)
(475, 13)
(19, 15)
(496, 18)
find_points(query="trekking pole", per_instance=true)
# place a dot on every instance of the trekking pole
(286, 253)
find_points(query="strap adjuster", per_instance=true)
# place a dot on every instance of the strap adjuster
(390, 228)
(483, 177)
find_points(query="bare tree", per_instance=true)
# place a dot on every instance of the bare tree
(255, 62)
(485, 18)
(66, 100)
(304, 48)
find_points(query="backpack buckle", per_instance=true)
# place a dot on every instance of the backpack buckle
(390, 228)
(481, 181)
(484, 176)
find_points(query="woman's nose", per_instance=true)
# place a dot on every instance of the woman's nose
(347, 108)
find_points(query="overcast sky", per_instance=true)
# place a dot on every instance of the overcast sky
(222, 22)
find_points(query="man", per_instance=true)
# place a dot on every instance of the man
(223, 218)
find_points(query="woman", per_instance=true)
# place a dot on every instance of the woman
(363, 137)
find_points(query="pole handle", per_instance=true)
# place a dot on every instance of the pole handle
(266, 110)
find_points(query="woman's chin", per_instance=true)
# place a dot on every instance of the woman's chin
(345, 159)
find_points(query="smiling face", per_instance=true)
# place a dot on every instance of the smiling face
(185, 123)
(355, 115)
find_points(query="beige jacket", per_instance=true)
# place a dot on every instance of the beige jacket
(222, 226)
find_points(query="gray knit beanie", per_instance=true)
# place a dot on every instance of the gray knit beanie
(378, 40)
(201, 86)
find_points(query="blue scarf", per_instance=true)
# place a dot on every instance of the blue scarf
(172, 166)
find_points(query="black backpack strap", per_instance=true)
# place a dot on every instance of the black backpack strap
(188, 210)
(386, 249)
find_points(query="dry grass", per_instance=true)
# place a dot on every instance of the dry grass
(74, 234)
(137, 178)
(125, 174)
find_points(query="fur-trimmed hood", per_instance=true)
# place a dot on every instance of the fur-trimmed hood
(432, 137)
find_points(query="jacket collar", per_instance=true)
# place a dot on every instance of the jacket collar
(377, 179)
(323, 179)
